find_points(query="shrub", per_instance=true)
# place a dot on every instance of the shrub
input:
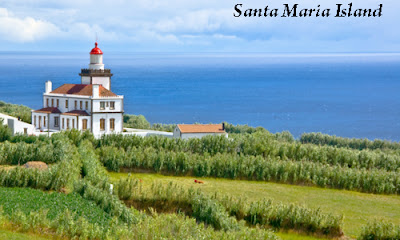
(136, 121)
(5, 132)
(108, 202)
(18, 111)
(380, 230)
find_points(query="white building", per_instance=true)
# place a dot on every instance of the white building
(90, 105)
(17, 126)
(185, 131)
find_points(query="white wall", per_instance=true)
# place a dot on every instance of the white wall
(177, 133)
(105, 81)
(118, 105)
(52, 122)
(17, 126)
(85, 80)
(65, 119)
(107, 116)
(80, 124)
(71, 103)
(43, 127)
(96, 58)
(200, 135)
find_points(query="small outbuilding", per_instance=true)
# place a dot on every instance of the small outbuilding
(16, 125)
(185, 131)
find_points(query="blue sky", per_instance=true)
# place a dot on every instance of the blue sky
(191, 26)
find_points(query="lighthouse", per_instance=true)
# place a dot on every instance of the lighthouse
(96, 58)
(96, 73)
(89, 106)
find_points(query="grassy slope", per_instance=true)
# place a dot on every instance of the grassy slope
(5, 234)
(28, 200)
(357, 207)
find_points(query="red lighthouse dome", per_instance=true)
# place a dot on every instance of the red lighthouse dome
(96, 50)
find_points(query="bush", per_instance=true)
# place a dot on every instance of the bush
(108, 202)
(136, 121)
(294, 217)
(214, 210)
(354, 143)
(18, 111)
(5, 132)
(380, 230)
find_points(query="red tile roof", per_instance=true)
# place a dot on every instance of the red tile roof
(76, 113)
(83, 89)
(201, 128)
(48, 110)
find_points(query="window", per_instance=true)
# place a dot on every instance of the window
(80, 105)
(34, 121)
(87, 105)
(102, 105)
(58, 103)
(67, 123)
(112, 105)
(102, 124)
(66, 103)
(25, 131)
(40, 121)
(84, 124)
(76, 104)
(63, 126)
(112, 124)
(73, 123)
(52, 102)
(47, 102)
(56, 121)
(44, 121)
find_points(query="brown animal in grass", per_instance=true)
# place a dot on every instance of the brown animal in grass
(198, 181)
(63, 190)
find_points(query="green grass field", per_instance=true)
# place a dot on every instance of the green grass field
(28, 200)
(8, 235)
(357, 208)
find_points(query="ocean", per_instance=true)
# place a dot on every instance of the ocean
(354, 95)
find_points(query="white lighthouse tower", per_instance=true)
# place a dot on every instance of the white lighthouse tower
(96, 74)
(96, 58)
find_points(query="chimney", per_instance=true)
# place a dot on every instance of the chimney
(96, 90)
(48, 86)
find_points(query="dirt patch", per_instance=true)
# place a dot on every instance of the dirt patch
(161, 206)
(36, 165)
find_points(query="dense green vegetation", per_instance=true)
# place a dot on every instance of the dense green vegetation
(262, 143)
(251, 168)
(357, 208)
(380, 230)
(215, 209)
(140, 122)
(354, 143)
(76, 167)
(78, 162)
(18, 111)
(28, 200)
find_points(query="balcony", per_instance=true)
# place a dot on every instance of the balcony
(96, 72)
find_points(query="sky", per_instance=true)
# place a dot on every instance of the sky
(192, 26)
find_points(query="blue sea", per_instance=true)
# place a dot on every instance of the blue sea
(355, 95)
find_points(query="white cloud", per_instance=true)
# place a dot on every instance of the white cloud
(24, 29)
(194, 25)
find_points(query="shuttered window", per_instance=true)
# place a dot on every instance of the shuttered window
(112, 124)
(84, 124)
(102, 124)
